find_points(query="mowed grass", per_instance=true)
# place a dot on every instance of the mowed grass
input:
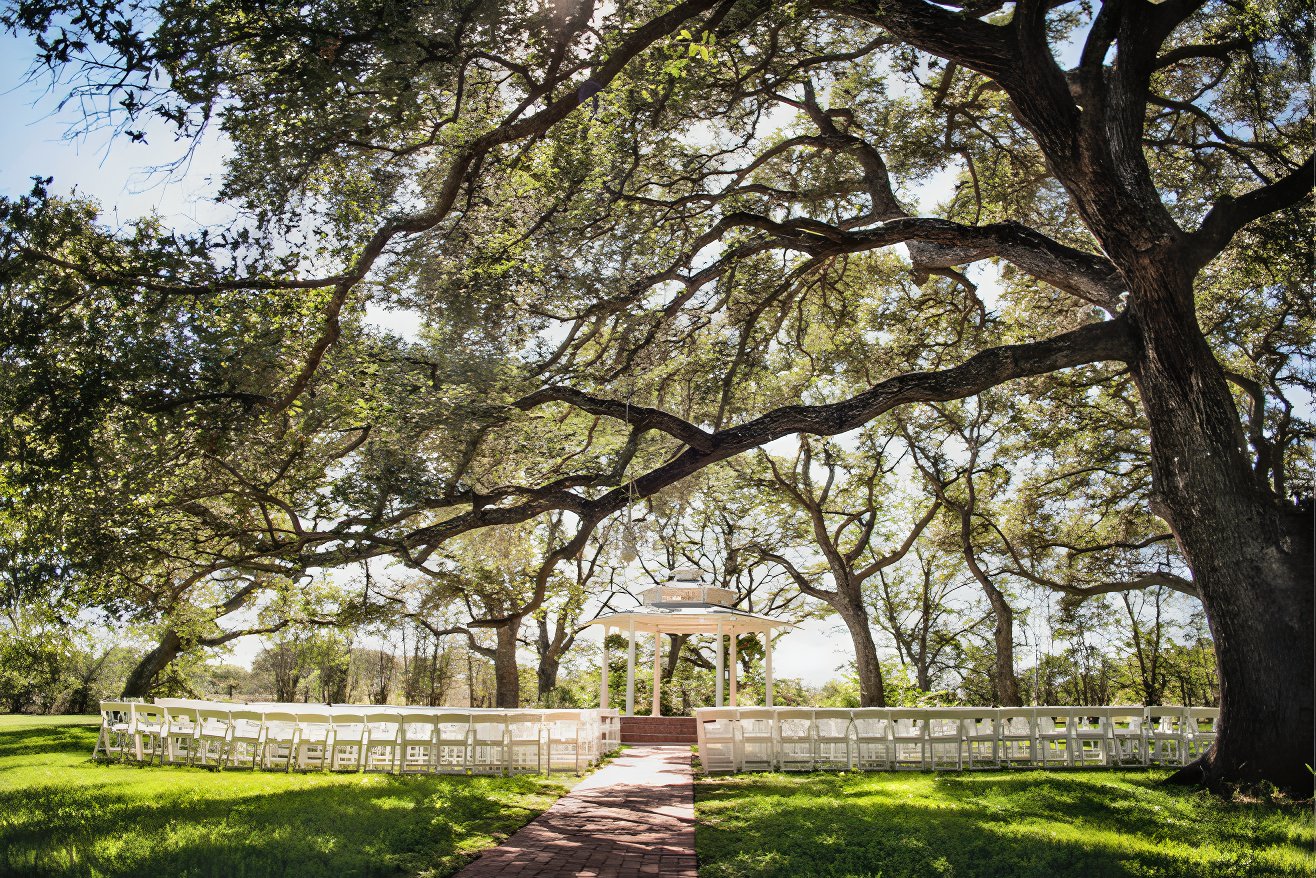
(994, 824)
(63, 815)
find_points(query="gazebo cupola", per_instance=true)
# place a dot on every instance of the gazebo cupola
(686, 604)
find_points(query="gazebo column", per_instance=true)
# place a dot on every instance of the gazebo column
(731, 661)
(717, 652)
(630, 670)
(657, 673)
(767, 666)
(603, 673)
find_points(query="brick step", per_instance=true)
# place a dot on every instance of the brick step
(658, 739)
(658, 730)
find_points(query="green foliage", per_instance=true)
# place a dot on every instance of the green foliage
(62, 815)
(987, 824)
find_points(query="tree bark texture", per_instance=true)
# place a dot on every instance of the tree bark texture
(507, 676)
(142, 678)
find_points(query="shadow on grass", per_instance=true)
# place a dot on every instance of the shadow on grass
(1012, 826)
(26, 741)
(87, 819)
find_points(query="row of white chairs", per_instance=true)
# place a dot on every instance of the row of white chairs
(950, 738)
(348, 737)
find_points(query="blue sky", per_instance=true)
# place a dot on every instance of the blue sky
(35, 140)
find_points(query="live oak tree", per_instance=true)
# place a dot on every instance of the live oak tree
(842, 502)
(665, 218)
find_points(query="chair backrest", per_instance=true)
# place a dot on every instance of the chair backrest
(529, 726)
(314, 724)
(246, 723)
(1166, 719)
(417, 726)
(280, 725)
(1125, 718)
(116, 713)
(756, 722)
(452, 727)
(794, 722)
(1089, 720)
(716, 722)
(212, 720)
(147, 714)
(832, 722)
(1051, 720)
(980, 722)
(908, 722)
(180, 716)
(871, 723)
(945, 722)
(1203, 719)
(1016, 722)
(384, 725)
(348, 725)
(488, 727)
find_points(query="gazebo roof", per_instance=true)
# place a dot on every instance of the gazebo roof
(670, 609)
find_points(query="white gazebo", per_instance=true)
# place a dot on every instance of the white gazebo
(686, 605)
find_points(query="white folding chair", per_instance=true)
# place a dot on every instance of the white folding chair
(1166, 731)
(417, 751)
(1090, 736)
(716, 736)
(526, 744)
(874, 747)
(981, 738)
(1128, 736)
(452, 742)
(945, 738)
(832, 747)
(1018, 737)
(1054, 735)
(181, 737)
(591, 736)
(488, 753)
(115, 736)
(281, 734)
(383, 745)
(212, 736)
(350, 737)
(314, 740)
(1202, 727)
(567, 740)
(246, 738)
(148, 727)
(794, 749)
(909, 737)
(757, 746)
(611, 720)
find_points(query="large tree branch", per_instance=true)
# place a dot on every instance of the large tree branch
(1098, 342)
(1229, 215)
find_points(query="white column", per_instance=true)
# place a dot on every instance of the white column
(630, 670)
(767, 666)
(731, 661)
(603, 673)
(657, 673)
(717, 651)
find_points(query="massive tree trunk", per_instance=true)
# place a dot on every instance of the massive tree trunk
(507, 676)
(1250, 552)
(142, 678)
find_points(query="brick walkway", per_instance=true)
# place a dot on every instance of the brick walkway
(634, 817)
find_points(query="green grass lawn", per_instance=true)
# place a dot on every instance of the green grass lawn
(63, 815)
(994, 824)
